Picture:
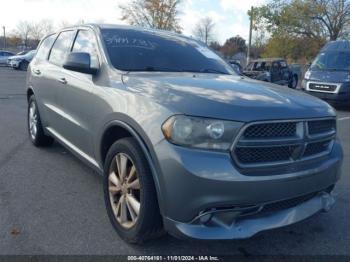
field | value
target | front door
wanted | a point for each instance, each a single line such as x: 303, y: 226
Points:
x: 78, y: 97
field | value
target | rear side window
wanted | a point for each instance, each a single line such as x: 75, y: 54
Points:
x: 61, y: 47
x: 43, y: 51
x: 86, y: 42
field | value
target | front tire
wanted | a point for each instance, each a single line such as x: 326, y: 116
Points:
x: 35, y: 128
x: 130, y: 194
x: 23, y: 66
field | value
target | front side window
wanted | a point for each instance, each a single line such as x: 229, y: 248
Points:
x: 44, y: 49
x: 332, y: 60
x: 61, y: 47
x: 86, y: 42
x: 135, y: 50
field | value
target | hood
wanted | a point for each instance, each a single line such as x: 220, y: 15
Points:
x: 226, y: 96
x: 17, y: 57
x: 330, y: 76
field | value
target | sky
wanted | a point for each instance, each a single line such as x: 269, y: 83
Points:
x: 230, y: 16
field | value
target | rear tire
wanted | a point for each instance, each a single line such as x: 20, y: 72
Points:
x: 35, y: 128
x: 143, y: 222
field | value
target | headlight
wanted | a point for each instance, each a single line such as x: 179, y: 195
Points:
x: 200, y: 132
x: 307, y: 74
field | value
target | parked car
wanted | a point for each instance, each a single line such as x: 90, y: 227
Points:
x: 274, y: 70
x: 329, y: 75
x: 21, y: 62
x: 4, y: 55
x: 236, y: 66
x: 183, y: 143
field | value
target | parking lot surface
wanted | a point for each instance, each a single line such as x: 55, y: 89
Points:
x: 51, y: 203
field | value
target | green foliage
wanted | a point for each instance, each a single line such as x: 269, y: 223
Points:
x: 305, y: 18
x: 301, y: 49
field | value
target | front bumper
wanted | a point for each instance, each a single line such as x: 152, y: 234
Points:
x: 195, y: 181
x: 225, y: 225
x: 342, y: 97
x: 14, y: 64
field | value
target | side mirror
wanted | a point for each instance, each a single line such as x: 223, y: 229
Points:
x: 79, y: 62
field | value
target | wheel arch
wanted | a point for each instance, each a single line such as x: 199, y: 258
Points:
x: 30, y: 92
x: 118, y: 129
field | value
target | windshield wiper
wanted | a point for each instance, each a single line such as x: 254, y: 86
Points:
x: 205, y: 70
x: 337, y: 69
x: 210, y: 70
x: 153, y: 69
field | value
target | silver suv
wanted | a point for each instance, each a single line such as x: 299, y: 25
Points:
x: 183, y: 143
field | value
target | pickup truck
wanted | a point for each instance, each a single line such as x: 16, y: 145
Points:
x: 274, y: 70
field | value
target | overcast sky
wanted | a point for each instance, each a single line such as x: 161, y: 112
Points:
x: 230, y: 16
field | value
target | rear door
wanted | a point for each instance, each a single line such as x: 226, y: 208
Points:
x: 78, y: 96
x: 55, y: 79
x: 39, y: 81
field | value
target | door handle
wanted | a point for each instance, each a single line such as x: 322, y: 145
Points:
x: 63, y: 81
x: 37, y: 71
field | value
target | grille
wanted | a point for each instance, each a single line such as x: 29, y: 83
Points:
x: 261, y: 210
x: 270, y: 130
x: 249, y: 155
x: 289, y: 203
x: 321, y: 126
x: 264, y: 144
x: 316, y: 148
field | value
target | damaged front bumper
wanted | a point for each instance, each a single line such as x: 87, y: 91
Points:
x: 244, y: 222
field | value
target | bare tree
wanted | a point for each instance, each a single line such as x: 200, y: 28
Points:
x: 204, y: 30
x: 23, y: 30
x: 334, y: 15
x: 159, y: 14
x: 41, y: 29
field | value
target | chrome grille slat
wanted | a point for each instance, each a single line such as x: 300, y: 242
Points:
x: 294, y: 140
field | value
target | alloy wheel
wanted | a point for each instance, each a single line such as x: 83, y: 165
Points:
x: 33, y: 120
x: 124, y: 190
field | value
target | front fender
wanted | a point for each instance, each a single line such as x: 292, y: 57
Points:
x: 124, y: 121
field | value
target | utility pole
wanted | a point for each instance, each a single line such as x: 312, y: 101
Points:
x: 250, y: 34
x: 4, y: 37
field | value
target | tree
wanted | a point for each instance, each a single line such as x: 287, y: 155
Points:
x: 23, y: 30
x: 159, y: 14
x: 41, y: 29
x: 215, y: 46
x: 204, y: 30
x: 306, y: 18
x: 234, y: 45
x: 293, y: 48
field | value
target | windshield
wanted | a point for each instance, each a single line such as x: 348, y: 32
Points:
x: 135, y: 50
x: 332, y: 60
